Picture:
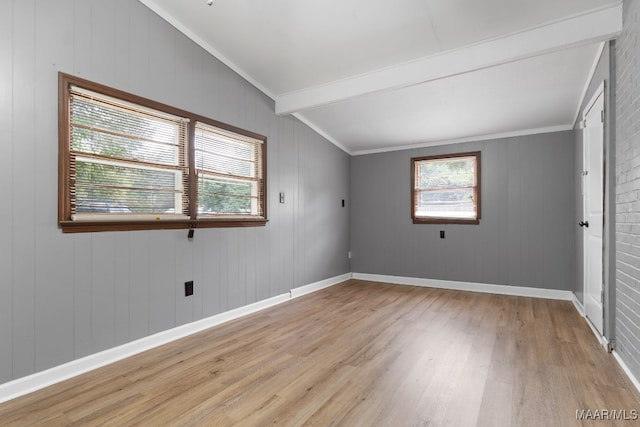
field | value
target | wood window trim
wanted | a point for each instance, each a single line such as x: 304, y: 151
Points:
x: 477, y: 193
x: 65, y: 222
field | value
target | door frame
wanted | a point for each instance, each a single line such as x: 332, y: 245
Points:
x: 600, y: 91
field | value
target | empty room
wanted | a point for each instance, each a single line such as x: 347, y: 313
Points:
x: 360, y: 213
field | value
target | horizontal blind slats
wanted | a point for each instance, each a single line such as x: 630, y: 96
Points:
x: 129, y: 162
x: 229, y: 170
x: 125, y: 158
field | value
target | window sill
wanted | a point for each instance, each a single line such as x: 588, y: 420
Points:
x: 97, y: 226
x: 446, y: 221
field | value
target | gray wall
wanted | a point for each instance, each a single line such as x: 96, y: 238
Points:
x: 525, y: 236
x: 601, y: 73
x: 627, y: 93
x: 66, y: 296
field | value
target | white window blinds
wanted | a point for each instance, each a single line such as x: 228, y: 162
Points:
x: 125, y: 159
x: 230, y: 174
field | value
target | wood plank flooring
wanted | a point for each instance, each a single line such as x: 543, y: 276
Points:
x: 357, y: 354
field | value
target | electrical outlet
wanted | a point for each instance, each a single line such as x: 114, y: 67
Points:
x: 442, y: 234
x: 188, y: 288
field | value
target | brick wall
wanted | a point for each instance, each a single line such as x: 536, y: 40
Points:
x: 628, y: 188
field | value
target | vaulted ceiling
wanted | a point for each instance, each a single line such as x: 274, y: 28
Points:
x: 374, y: 75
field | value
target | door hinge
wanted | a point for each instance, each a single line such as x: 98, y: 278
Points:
x: 602, y: 296
x: 583, y: 124
x: 602, y: 116
x: 611, y: 345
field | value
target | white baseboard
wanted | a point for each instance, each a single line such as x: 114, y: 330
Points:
x: 578, y: 305
x: 39, y: 380
x: 313, y: 287
x: 604, y: 342
x: 626, y: 370
x: 469, y: 286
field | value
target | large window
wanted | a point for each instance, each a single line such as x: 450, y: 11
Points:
x: 446, y: 189
x: 129, y: 163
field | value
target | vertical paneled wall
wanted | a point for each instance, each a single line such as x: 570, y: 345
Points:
x: 64, y: 296
x: 525, y: 236
x: 627, y: 96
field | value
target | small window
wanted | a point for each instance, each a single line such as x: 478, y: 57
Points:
x: 230, y: 173
x: 127, y: 163
x: 446, y: 189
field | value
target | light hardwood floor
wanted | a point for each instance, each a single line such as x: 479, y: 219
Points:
x: 357, y: 354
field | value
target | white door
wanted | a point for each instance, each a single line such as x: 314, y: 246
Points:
x: 592, y: 223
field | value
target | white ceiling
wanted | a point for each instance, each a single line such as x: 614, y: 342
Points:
x: 374, y: 75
